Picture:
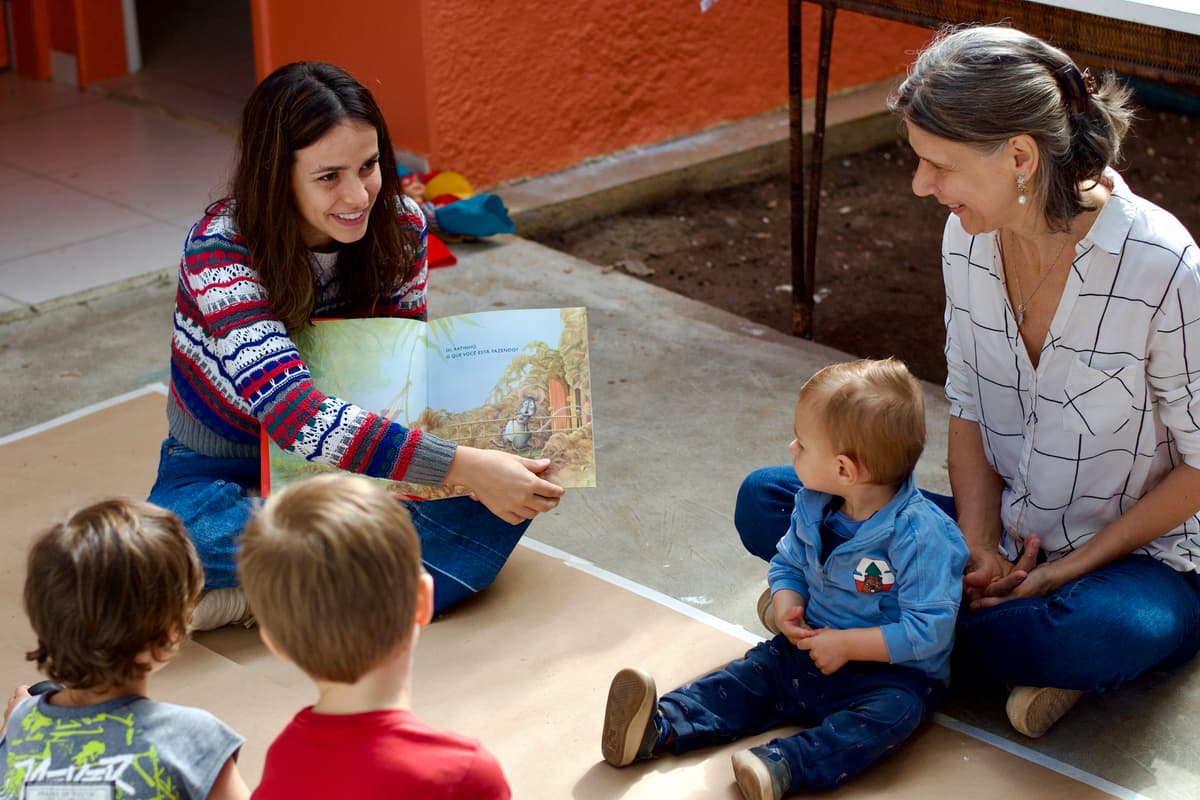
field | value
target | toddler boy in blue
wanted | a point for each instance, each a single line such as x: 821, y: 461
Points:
x: 865, y: 589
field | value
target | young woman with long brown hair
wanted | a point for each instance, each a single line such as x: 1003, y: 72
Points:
x: 315, y: 224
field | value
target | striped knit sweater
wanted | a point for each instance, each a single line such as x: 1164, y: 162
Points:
x: 234, y: 368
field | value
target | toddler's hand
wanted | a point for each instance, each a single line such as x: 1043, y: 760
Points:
x: 792, y: 625
x: 825, y: 648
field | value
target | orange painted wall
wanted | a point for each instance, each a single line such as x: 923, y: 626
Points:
x: 523, y: 94
x: 865, y: 49
x: 91, y: 30
x: 5, y: 61
x: 31, y: 38
x: 62, y: 25
x: 377, y: 41
x: 99, y: 40
x: 506, y: 90
x: 514, y: 94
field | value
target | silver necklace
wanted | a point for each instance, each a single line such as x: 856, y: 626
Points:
x: 1023, y: 301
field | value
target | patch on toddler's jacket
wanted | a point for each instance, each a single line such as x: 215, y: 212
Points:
x: 874, y: 575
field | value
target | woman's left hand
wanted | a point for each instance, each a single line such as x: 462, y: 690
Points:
x: 980, y: 584
x: 509, y: 485
x: 1028, y: 579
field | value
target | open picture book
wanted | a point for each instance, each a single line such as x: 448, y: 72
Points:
x: 514, y: 380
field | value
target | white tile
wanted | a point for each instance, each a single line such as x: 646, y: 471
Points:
x: 21, y: 97
x: 171, y: 184
x: 9, y: 175
x: 215, y: 102
x: 37, y: 214
x: 7, y: 305
x: 105, y: 260
x: 71, y: 138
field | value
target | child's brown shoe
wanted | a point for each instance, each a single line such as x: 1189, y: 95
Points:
x: 761, y: 773
x: 766, y: 612
x: 629, y: 727
x: 1033, y: 710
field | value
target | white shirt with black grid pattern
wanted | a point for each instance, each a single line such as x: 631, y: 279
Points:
x: 1114, y: 403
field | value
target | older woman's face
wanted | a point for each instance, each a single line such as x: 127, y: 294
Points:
x: 979, y: 188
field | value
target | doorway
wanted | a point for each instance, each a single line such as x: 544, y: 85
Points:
x: 197, y: 59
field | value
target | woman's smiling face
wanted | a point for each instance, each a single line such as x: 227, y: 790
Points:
x: 979, y: 188
x: 335, y: 181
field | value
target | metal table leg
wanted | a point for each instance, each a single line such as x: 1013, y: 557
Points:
x: 804, y: 234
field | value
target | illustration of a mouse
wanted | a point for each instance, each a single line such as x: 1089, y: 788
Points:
x: 517, y: 431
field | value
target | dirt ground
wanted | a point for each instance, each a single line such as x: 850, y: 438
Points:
x: 878, y: 286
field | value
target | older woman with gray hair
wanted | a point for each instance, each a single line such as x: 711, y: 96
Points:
x: 1073, y: 356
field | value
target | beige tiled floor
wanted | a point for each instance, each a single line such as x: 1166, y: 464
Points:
x: 96, y: 190
x: 99, y: 187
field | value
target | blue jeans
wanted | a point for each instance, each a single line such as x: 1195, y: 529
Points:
x: 215, y: 499
x: 1094, y: 633
x: 463, y: 545
x: 859, y: 714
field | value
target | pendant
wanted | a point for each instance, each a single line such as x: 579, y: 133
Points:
x: 1020, y: 315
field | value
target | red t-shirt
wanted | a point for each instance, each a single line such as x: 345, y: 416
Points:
x: 377, y: 754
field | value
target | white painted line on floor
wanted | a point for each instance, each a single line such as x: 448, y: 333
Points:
x: 1029, y: 754
x: 739, y: 632
x: 736, y: 631
x: 156, y: 388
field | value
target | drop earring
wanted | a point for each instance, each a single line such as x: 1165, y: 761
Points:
x: 1021, y: 189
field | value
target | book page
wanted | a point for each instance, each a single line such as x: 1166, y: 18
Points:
x: 378, y: 364
x: 513, y: 380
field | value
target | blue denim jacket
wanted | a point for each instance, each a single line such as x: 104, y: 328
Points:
x: 902, y: 572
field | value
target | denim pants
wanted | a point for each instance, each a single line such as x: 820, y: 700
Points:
x: 463, y: 545
x: 1094, y: 633
x: 859, y: 714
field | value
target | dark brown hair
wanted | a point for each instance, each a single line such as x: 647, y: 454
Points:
x: 104, y: 585
x: 291, y: 109
x: 873, y: 411
x: 330, y: 566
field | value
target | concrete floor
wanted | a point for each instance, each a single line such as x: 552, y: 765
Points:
x: 687, y: 398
